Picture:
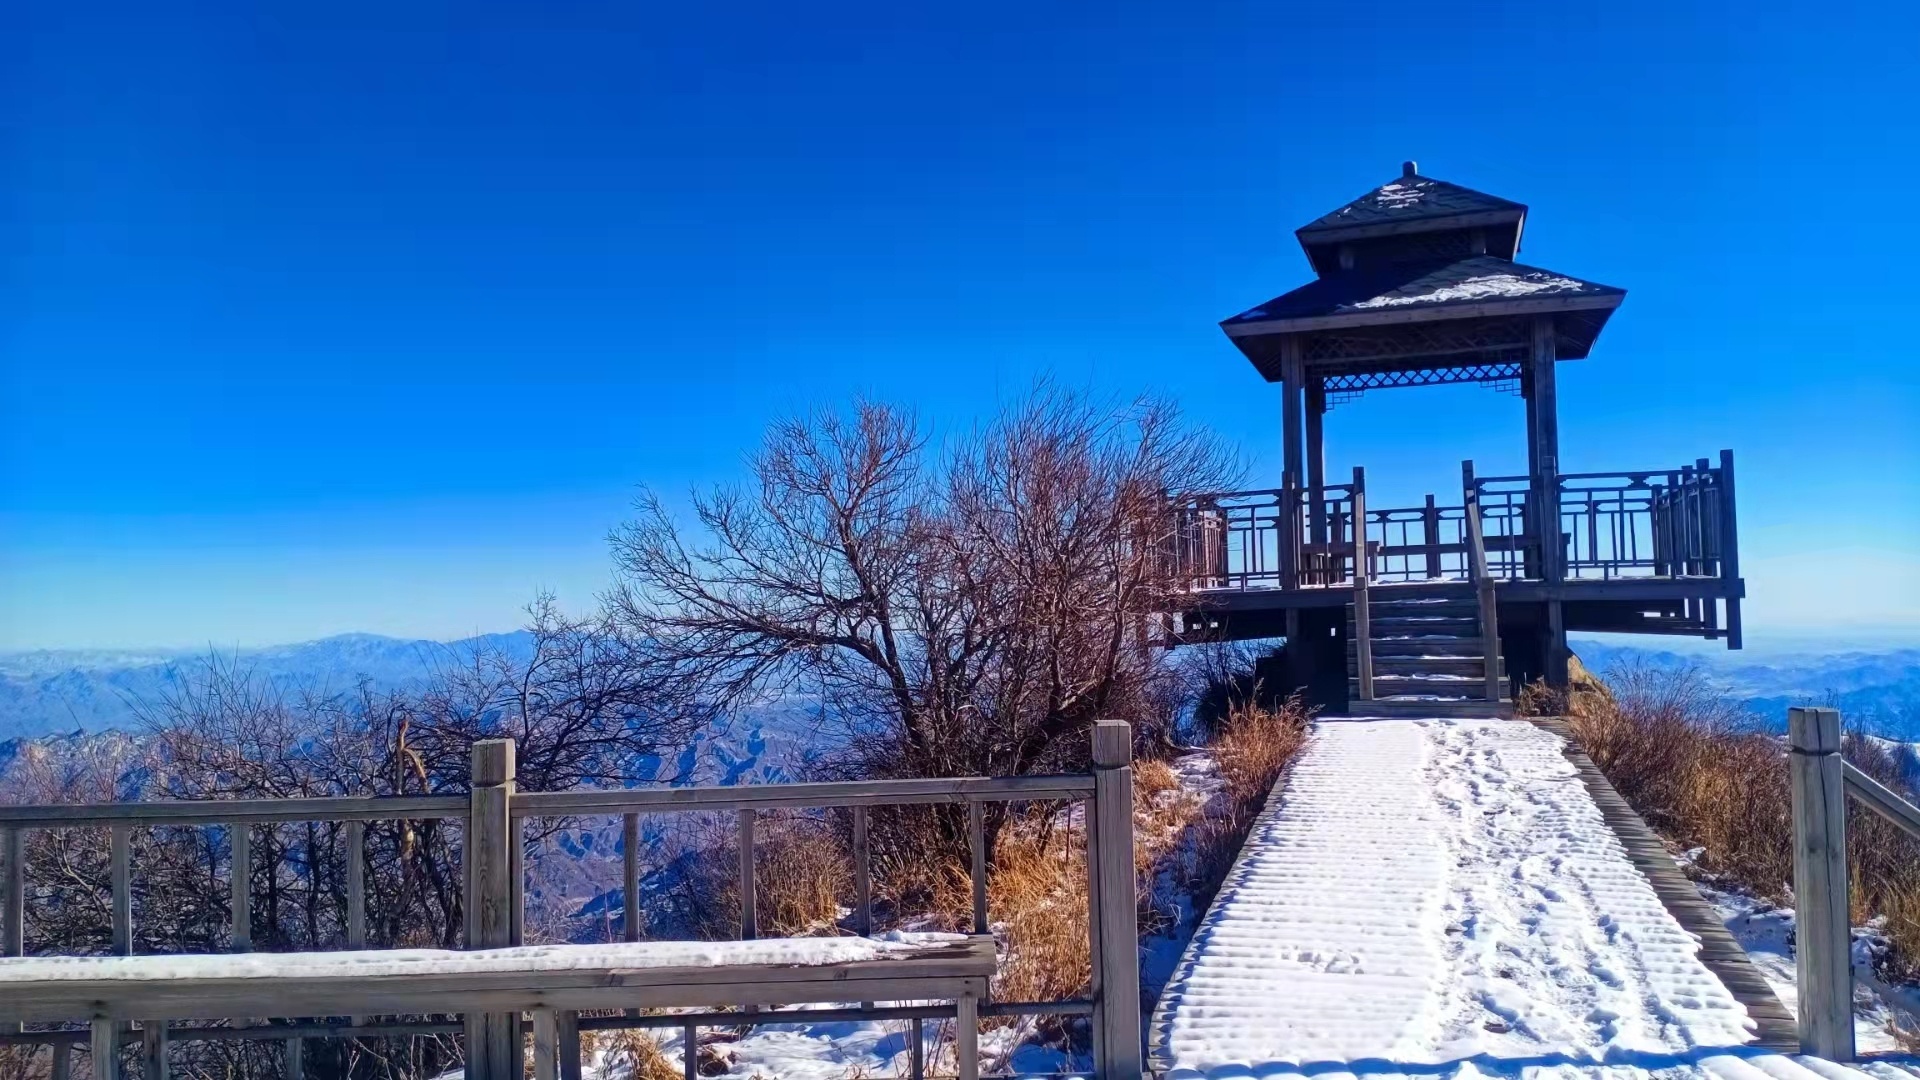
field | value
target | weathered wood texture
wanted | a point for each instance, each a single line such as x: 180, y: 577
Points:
x: 1117, y: 998
x: 1881, y: 799
x: 932, y: 973
x: 1362, y: 575
x: 494, y: 1049
x: 492, y: 866
x: 1774, y: 1026
x: 241, y: 875
x: 1822, y: 935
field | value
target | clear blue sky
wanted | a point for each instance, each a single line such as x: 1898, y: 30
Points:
x: 344, y: 316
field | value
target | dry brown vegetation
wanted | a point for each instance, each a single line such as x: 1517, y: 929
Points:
x: 1703, y: 775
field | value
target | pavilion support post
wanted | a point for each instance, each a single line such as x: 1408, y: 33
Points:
x: 1543, y: 444
x: 1293, y: 448
x: 1316, y: 408
x: 1729, y: 550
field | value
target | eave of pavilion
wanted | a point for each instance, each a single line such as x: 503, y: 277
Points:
x: 1429, y: 338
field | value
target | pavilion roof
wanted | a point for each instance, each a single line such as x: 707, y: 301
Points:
x: 1409, y: 199
x: 1478, y: 285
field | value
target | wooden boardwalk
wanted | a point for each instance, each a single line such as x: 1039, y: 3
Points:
x: 1776, y: 1028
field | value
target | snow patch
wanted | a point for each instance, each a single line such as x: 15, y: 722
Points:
x: 1484, y: 287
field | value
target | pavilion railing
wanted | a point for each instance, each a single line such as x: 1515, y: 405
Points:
x: 1671, y: 524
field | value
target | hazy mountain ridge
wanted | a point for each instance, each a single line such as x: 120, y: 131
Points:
x: 47, y: 691
x: 1878, y: 689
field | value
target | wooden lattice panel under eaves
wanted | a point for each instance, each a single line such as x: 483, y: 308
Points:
x: 1496, y: 339
x: 1504, y: 377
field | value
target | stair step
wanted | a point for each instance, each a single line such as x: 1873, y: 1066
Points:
x: 1472, y: 665
x: 1423, y: 708
x: 1425, y: 685
x: 1430, y: 625
x: 1384, y: 647
x: 1464, y: 608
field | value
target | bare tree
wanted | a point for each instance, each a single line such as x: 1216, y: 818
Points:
x: 967, y: 612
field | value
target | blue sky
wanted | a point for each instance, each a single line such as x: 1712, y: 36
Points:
x: 369, y: 317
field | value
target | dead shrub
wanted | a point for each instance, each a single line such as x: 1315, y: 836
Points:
x: 801, y: 872
x: 1704, y: 775
x: 637, y: 1049
x: 1255, y: 746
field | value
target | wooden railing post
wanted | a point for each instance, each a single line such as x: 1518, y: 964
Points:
x: 1362, y: 616
x: 1482, y: 576
x: 1824, y: 965
x: 13, y: 853
x: 1118, y: 1036
x: 493, y: 1039
x: 1729, y: 549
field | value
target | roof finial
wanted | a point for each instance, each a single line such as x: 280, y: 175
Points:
x: 1409, y: 168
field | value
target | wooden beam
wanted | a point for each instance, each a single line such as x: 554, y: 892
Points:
x: 796, y: 796
x: 1881, y: 799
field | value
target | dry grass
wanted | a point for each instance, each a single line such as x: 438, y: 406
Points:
x: 1254, y: 747
x: 802, y: 869
x: 635, y: 1048
x: 1696, y: 768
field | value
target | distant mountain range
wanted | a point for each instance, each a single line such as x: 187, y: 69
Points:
x: 1875, y: 689
x: 51, y: 692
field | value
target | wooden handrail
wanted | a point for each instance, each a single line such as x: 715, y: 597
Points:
x: 1483, y: 584
x: 1362, y: 617
x: 1881, y: 799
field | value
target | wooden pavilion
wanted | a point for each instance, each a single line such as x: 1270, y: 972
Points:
x: 1452, y: 604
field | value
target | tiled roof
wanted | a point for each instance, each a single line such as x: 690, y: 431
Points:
x: 1404, y: 286
x: 1409, y: 198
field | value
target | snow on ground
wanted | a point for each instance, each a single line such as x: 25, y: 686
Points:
x: 1442, y: 897
x: 1766, y: 933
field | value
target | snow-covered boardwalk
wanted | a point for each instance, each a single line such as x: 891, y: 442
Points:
x: 1443, y: 898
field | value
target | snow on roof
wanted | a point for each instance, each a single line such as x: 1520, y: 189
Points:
x: 1504, y: 286
x: 1410, y: 198
x: 1401, y: 285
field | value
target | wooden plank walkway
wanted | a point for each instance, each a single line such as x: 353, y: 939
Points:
x: 1776, y: 1028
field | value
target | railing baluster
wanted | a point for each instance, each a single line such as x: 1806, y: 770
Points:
x: 240, y: 840
x: 862, y: 875
x: 153, y: 1049
x: 690, y: 1052
x: 977, y: 848
x: 356, y: 856
x: 103, y: 1046
x: 917, y: 1053
x: 747, y: 928
x: 13, y: 851
x: 121, y: 860
x: 630, y: 877
x: 62, y: 1066
x: 295, y: 1059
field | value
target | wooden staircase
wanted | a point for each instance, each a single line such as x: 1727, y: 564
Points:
x: 1429, y: 655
